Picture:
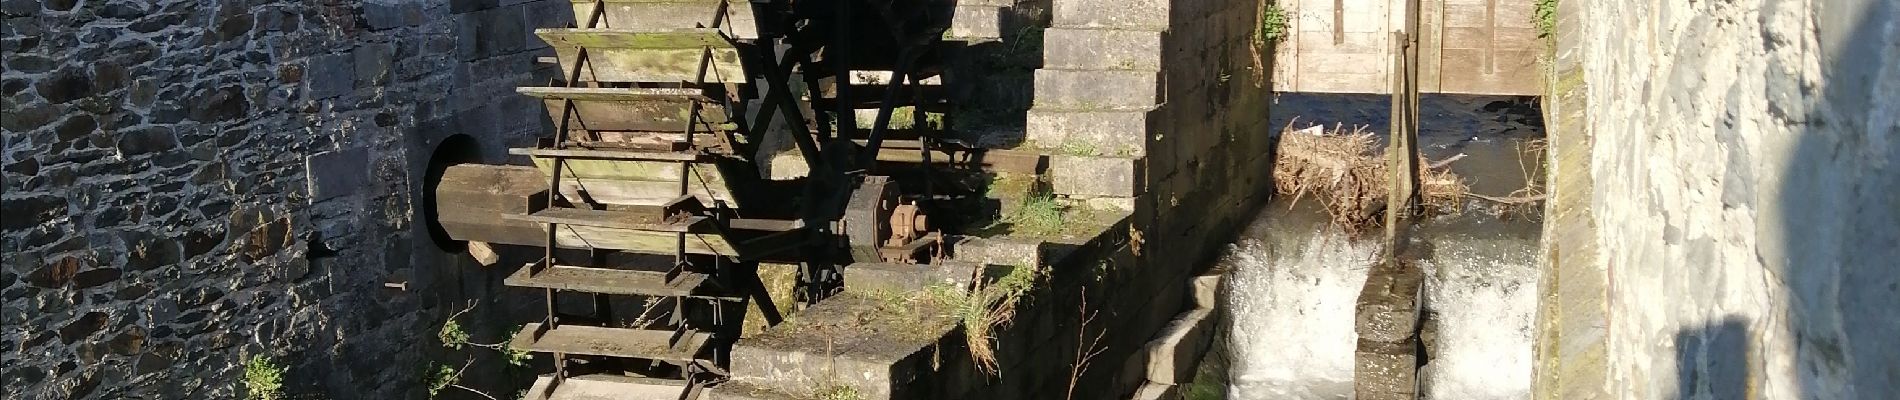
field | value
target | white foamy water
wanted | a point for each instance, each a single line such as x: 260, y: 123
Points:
x: 1292, y: 300
x: 1292, y: 283
x: 1485, y: 295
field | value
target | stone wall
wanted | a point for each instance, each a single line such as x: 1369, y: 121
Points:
x: 1722, y: 220
x: 1159, y: 107
x: 189, y: 184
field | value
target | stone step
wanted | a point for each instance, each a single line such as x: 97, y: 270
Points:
x: 605, y: 387
x: 649, y: 344
x: 1095, y: 176
x: 1095, y: 48
x: 677, y: 14
x: 976, y: 23
x: 1061, y: 89
x: 1126, y: 14
x: 618, y: 281
x: 1088, y: 132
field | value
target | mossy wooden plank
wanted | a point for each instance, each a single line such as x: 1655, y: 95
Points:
x: 584, y: 237
x: 654, y: 65
x: 654, y: 115
x: 677, y: 95
x: 637, y: 182
x: 670, y: 14
x: 630, y: 38
x: 666, y: 171
x: 640, y: 193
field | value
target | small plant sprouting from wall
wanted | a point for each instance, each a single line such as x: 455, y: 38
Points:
x: 453, y: 337
x: 1546, y: 15
x: 1273, y: 25
x: 263, y: 379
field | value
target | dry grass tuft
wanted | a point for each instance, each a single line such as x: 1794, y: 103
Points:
x: 1345, y: 170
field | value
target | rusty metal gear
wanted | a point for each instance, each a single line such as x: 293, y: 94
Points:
x: 867, y: 218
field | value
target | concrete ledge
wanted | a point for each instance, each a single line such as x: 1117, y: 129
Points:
x: 840, y: 342
x: 1000, y: 251
x: 904, y: 278
x: 1173, y: 356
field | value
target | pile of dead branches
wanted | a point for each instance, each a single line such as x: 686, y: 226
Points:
x: 1345, y: 170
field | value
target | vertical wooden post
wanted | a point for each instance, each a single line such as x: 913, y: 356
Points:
x: 1387, y: 356
x: 1402, y: 154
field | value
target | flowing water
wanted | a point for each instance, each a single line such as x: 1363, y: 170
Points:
x: 1293, y: 280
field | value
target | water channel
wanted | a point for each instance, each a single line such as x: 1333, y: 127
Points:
x: 1293, y: 279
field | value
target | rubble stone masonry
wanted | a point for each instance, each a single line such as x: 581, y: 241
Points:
x: 189, y: 184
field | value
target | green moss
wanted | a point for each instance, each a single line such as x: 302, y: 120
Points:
x: 1077, y: 148
x: 263, y: 379
x: 1546, y: 18
x: 837, y: 391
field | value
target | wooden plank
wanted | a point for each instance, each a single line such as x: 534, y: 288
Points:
x: 638, y: 241
x: 651, y: 344
x: 654, y: 65
x: 613, y: 94
x: 604, y: 387
x: 739, y: 24
x: 613, y: 219
x: 652, y: 115
x: 663, y: 171
x: 611, y: 155
x: 616, y: 281
x: 634, y: 38
x: 638, y: 182
x: 638, y: 193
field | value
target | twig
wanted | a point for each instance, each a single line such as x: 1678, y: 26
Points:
x: 1511, y: 200
x: 1087, y: 353
x: 1446, y: 161
x: 459, y: 386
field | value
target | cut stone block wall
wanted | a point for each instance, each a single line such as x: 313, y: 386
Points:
x: 188, y: 184
x: 1722, y: 220
x: 1158, y: 107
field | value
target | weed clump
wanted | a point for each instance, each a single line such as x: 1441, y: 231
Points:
x: 1546, y: 18
x: 263, y: 379
x: 987, y: 306
x: 1273, y: 25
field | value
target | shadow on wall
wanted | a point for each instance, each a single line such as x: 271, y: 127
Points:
x: 1713, y: 361
x: 1838, y: 207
